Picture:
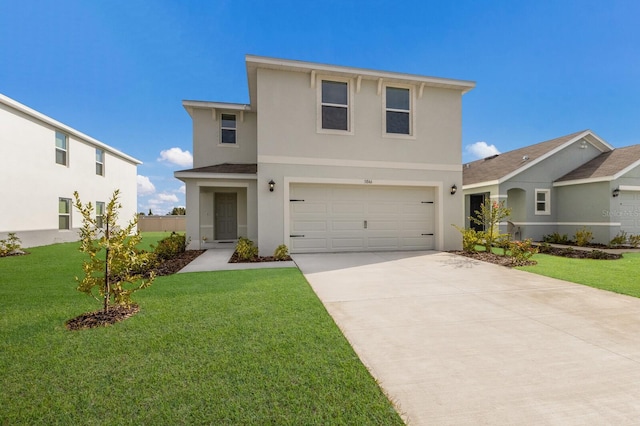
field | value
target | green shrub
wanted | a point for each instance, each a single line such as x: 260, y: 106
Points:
x: 470, y: 238
x: 522, y: 250
x: 171, y: 246
x: 544, y: 248
x: 10, y: 244
x: 246, y: 249
x: 634, y: 240
x: 503, y: 242
x: 598, y: 254
x: 281, y: 253
x: 620, y: 239
x: 583, y: 236
x: 556, y: 238
x: 491, y: 213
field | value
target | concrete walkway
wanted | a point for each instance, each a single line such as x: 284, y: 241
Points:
x: 454, y: 341
x: 218, y: 260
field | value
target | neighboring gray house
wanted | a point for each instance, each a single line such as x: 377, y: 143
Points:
x: 560, y: 186
x: 328, y: 158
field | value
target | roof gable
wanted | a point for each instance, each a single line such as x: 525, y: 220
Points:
x: 607, y: 166
x: 501, y: 167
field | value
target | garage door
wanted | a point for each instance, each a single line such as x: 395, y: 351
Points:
x: 334, y: 218
x: 630, y: 211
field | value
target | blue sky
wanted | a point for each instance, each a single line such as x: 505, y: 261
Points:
x: 118, y: 70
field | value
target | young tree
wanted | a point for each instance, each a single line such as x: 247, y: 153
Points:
x: 489, y: 216
x: 116, y: 268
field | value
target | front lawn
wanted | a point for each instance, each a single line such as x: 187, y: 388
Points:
x: 620, y: 276
x: 233, y: 347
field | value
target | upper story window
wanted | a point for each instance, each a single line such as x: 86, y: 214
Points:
x: 64, y: 213
x: 543, y: 201
x: 335, y: 105
x: 100, y: 162
x: 62, y: 142
x: 228, y: 128
x: 100, y: 214
x: 398, y: 118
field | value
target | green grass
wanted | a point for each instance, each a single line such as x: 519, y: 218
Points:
x: 233, y: 347
x: 620, y: 276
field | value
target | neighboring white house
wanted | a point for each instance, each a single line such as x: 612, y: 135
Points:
x: 561, y: 185
x: 42, y: 162
x: 329, y: 158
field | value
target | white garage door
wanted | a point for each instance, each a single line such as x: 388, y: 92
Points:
x: 630, y: 211
x: 334, y: 218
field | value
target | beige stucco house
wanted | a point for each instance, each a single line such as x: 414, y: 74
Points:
x: 42, y: 162
x: 328, y: 158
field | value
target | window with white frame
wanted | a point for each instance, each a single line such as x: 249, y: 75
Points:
x: 335, y: 105
x: 100, y: 214
x: 100, y: 162
x: 64, y: 213
x: 229, y: 128
x: 398, y: 110
x: 62, y: 142
x: 543, y: 201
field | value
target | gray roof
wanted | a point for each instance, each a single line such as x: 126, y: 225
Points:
x: 225, y: 168
x: 606, y: 165
x: 498, y: 166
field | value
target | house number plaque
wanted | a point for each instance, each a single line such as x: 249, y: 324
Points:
x: 368, y: 181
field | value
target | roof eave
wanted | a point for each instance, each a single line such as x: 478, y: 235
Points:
x: 481, y: 184
x: 67, y: 129
x: 582, y: 181
x: 253, y: 62
x: 222, y: 176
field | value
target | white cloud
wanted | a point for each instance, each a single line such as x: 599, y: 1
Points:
x: 182, y: 189
x: 145, y: 187
x: 176, y: 156
x: 481, y: 150
x: 166, y: 198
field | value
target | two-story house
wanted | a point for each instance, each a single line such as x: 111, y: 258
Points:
x: 42, y: 162
x: 328, y: 158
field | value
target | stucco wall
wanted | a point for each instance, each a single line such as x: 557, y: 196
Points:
x: 287, y: 124
x: 207, y: 149
x: 33, y: 182
x: 288, y: 134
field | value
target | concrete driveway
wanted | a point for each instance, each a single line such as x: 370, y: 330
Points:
x: 456, y: 341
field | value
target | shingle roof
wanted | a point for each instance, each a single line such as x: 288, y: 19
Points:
x: 225, y: 168
x: 607, y: 164
x: 495, y: 167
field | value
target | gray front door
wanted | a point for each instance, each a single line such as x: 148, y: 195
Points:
x: 226, y: 226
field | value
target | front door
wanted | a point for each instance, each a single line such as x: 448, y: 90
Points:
x: 226, y: 226
x: 475, y: 203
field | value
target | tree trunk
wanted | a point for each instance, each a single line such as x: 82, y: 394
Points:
x: 107, y: 288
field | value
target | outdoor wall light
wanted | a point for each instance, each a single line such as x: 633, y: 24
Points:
x: 616, y: 192
x: 272, y: 184
x: 454, y: 189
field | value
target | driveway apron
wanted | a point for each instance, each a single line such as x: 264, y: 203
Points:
x: 455, y: 341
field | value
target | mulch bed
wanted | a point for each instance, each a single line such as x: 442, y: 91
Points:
x: 495, y: 258
x: 236, y: 259
x: 579, y: 254
x: 100, y: 318
x: 554, y: 251
x: 171, y: 266
x: 118, y: 313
